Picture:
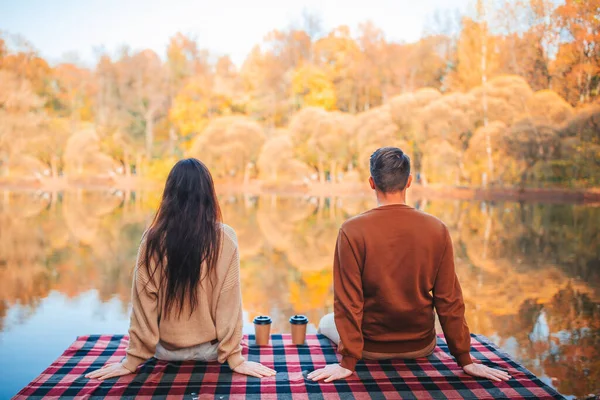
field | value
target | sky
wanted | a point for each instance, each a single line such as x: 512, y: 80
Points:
x: 75, y: 29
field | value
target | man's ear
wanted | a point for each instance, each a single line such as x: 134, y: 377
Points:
x: 408, y: 182
x: 372, y: 182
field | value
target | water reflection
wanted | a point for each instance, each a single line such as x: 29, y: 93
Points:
x: 530, y: 272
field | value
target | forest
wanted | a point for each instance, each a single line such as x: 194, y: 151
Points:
x: 502, y: 96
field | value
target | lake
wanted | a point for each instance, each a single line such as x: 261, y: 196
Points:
x: 530, y: 272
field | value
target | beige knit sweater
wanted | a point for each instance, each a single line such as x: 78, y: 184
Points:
x: 218, y: 315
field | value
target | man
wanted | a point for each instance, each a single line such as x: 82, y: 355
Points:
x: 393, y: 265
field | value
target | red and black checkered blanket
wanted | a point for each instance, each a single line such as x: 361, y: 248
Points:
x: 437, y: 376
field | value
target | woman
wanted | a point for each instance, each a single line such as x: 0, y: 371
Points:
x: 186, y: 295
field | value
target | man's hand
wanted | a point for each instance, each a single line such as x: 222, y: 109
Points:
x: 111, y: 370
x: 483, y: 371
x: 330, y: 373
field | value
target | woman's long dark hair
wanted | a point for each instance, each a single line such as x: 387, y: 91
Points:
x: 185, y: 235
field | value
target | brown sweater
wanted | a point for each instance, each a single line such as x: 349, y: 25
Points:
x: 393, y: 265
x: 218, y: 315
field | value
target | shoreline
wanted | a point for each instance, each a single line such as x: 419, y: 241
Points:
x: 555, y: 196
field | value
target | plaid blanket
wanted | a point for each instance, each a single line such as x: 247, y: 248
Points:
x: 437, y: 376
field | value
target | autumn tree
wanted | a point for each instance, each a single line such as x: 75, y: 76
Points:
x: 266, y: 89
x: 312, y: 88
x: 405, y: 107
x: 23, y: 61
x: 506, y: 97
x: 184, y: 62
x: 191, y: 107
x: 74, y: 93
x: 374, y: 129
x: 49, y: 146
x: 576, y: 69
x: 339, y: 55
x: 449, y: 121
x: 266, y: 74
x: 405, y: 110
x: 277, y: 162
x: 468, y: 73
x: 549, y: 105
x: 581, y: 145
x: 21, y: 115
x: 532, y: 141
x: 304, y: 125
x: 475, y: 158
x: 83, y: 158
x: 230, y: 146
x: 199, y: 91
x: 324, y: 140
x: 142, y: 87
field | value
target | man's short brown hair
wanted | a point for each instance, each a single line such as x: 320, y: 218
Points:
x: 390, y: 169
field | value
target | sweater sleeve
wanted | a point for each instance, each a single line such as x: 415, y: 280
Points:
x: 450, y: 307
x: 229, y: 316
x: 348, y: 301
x: 143, y: 325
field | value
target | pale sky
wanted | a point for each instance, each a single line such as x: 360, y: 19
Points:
x: 59, y: 27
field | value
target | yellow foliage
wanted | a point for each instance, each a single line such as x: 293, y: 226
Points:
x: 375, y: 129
x: 506, y: 96
x: 83, y: 157
x: 440, y: 164
x: 159, y: 169
x: 449, y: 118
x: 548, y: 104
x: 189, y: 112
x: 276, y: 162
x: 405, y: 107
x: 229, y: 146
x: 476, y: 160
x: 312, y: 86
x: 469, y: 71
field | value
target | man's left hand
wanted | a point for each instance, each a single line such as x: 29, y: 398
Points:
x: 330, y: 373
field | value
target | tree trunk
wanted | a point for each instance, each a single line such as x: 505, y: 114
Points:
x: 321, y: 171
x: 54, y: 167
x: 488, y: 229
x: 126, y: 164
x: 172, y: 140
x: 320, y: 207
x: 53, y: 199
x: 523, y: 180
x: 149, y: 134
x: 333, y: 172
x: 461, y: 170
x: 484, y: 50
x: 247, y: 173
x: 138, y: 165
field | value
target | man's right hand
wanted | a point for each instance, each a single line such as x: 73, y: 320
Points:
x: 483, y: 371
x: 252, y: 368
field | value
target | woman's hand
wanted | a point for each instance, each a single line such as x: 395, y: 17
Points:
x: 330, y: 373
x: 483, y: 371
x: 111, y: 370
x: 252, y: 368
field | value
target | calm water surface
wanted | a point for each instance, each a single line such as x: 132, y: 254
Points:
x: 530, y: 273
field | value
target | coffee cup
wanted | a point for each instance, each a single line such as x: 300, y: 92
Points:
x: 298, y: 323
x: 262, y: 330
